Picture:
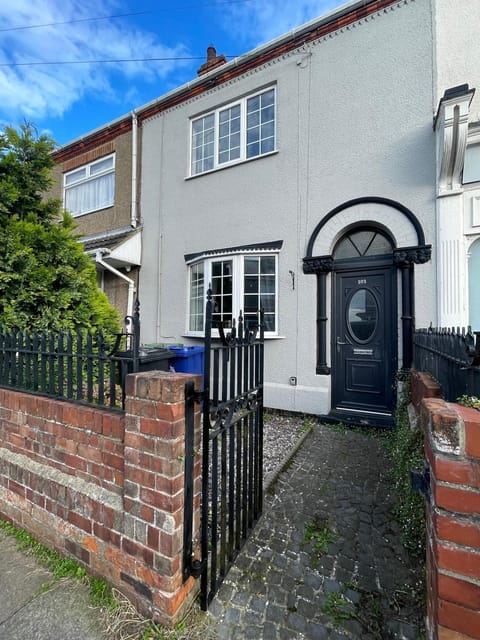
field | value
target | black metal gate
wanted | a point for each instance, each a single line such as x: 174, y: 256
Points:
x: 232, y: 451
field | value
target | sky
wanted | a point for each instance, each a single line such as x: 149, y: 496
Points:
x: 80, y: 91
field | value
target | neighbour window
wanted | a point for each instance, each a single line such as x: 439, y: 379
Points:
x: 239, y: 283
x: 474, y: 290
x: 471, y: 168
x: 90, y: 187
x: 237, y: 132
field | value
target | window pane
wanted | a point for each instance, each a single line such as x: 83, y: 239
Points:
x: 269, y: 322
x: 268, y: 130
x: 253, y: 135
x: 101, y: 165
x: 251, y: 284
x: 267, y: 145
x: 267, y: 284
x: 268, y: 114
x: 267, y: 264
x: 268, y: 98
x: 251, y: 304
x: 253, y: 150
x: 75, y: 176
x: 253, y: 104
x: 250, y: 265
x: 253, y: 119
x: 267, y: 303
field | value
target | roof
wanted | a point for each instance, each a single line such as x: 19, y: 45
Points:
x: 318, y: 28
x: 107, y: 239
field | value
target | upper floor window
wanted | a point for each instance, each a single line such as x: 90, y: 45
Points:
x: 240, y: 283
x: 471, y: 167
x: 242, y: 130
x: 90, y: 187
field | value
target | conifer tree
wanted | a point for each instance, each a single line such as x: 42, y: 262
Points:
x: 46, y: 280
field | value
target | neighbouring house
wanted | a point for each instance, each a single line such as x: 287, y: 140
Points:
x: 97, y: 178
x: 330, y: 176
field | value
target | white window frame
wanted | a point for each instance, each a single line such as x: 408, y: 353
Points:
x: 89, y: 177
x: 242, y: 103
x: 238, y: 282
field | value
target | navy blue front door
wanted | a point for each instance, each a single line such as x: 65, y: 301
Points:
x: 364, y: 340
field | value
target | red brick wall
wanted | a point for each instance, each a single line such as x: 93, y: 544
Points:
x: 452, y: 449
x: 78, y: 440
x: 105, y: 487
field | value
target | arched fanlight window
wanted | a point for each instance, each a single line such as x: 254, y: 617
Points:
x: 362, y: 243
x: 473, y: 288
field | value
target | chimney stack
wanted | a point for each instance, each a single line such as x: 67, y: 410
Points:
x: 213, y: 61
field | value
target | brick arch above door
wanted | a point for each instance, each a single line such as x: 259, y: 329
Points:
x: 404, y: 226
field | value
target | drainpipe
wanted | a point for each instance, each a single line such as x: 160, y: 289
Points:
x: 133, y: 208
x: 131, y: 285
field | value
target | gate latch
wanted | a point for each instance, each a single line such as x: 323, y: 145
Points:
x: 196, y: 568
x: 192, y: 394
x: 420, y: 481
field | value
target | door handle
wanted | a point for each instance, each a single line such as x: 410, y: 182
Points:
x: 339, y: 342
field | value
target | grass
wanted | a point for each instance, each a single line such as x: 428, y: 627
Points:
x: 59, y: 566
x: 120, y: 618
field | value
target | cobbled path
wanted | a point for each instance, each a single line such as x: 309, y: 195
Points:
x: 361, y: 585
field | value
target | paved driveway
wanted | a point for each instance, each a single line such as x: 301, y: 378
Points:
x: 325, y: 560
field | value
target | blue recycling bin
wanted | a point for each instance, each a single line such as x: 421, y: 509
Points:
x: 187, y: 359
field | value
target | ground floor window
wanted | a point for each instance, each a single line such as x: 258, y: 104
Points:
x: 242, y: 283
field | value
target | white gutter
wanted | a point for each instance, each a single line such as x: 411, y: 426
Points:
x: 133, y: 209
x: 131, y: 285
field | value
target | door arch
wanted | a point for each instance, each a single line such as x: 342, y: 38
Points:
x: 402, y: 237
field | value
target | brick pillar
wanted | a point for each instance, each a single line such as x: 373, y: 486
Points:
x: 452, y: 448
x: 154, y: 494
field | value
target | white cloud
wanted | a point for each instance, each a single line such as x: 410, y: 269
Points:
x: 258, y: 22
x: 35, y: 92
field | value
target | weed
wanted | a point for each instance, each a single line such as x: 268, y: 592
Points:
x: 406, y: 453
x: 101, y: 594
x: 337, y: 608
x: 469, y: 401
x: 307, y: 424
x: 339, y: 427
x: 320, y: 535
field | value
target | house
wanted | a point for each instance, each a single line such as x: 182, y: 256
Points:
x: 331, y: 176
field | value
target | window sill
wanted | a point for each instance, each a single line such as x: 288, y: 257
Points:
x: 230, y: 165
x: 86, y: 213
x: 196, y: 336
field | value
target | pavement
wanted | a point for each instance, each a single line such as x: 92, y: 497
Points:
x: 324, y: 562
x: 33, y: 606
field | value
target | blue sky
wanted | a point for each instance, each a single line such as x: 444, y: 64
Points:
x: 68, y: 100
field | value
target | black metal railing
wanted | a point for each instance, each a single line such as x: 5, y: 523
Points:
x: 82, y: 366
x: 232, y: 451
x: 452, y: 357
